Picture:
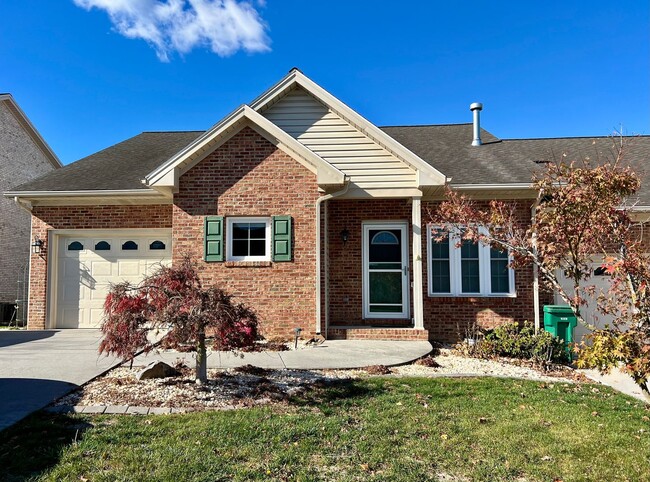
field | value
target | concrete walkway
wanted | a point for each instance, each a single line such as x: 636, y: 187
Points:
x: 332, y: 354
x: 618, y: 381
x: 37, y: 367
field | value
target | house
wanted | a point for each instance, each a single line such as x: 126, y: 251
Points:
x: 300, y: 207
x: 24, y: 155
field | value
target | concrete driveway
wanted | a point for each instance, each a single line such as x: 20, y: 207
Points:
x: 37, y: 367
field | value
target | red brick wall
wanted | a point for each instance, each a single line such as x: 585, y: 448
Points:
x: 249, y: 176
x: 81, y: 217
x: 448, y: 318
x: 345, y: 262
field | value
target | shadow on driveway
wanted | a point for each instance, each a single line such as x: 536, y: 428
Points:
x: 21, y: 396
x: 15, y: 337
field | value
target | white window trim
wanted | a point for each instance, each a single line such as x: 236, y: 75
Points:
x: 229, y: 239
x: 485, y: 281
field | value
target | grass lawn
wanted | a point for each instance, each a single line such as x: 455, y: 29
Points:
x: 402, y: 429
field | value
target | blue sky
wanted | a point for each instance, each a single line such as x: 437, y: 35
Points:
x: 87, y: 79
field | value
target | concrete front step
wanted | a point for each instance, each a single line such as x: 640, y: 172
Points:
x: 376, y: 333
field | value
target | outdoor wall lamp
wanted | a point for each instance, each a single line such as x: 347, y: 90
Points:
x: 345, y: 234
x: 38, y: 246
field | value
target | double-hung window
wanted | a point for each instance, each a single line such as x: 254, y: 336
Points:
x: 458, y: 267
x: 249, y: 239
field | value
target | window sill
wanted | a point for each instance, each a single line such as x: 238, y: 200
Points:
x: 247, y: 264
x: 448, y: 295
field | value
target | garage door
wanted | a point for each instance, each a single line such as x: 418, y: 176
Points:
x: 601, y: 281
x: 88, y: 265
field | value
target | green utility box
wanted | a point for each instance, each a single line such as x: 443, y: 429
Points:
x: 560, y: 322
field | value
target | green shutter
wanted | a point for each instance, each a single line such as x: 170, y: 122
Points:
x: 281, y: 238
x: 213, y: 243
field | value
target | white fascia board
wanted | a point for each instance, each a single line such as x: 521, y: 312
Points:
x: 167, y: 174
x: 161, y: 171
x: 33, y: 133
x: 427, y: 175
x: 326, y: 173
x: 277, y: 90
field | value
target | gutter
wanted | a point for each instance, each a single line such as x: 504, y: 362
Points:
x: 25, y: 205
x: 319, y: 201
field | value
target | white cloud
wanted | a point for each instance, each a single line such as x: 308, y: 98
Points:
x: 225, y: 26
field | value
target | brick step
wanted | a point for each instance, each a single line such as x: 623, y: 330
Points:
x: 376, y: 333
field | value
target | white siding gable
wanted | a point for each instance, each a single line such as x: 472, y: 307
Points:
x: 334, y: 139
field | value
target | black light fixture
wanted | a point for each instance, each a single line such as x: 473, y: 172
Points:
x: 345, y: 234
x: 38, y: 245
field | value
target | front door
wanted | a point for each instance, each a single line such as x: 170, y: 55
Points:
x: 385, y: 270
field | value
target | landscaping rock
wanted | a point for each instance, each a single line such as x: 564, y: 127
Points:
x: 157, y: 369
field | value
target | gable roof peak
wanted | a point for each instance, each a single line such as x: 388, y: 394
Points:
x: 426, y: 174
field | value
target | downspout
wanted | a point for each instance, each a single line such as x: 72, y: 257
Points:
x: 319, y: 201
x: 533, y: 210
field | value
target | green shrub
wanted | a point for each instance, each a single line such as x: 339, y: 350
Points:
x: 513, y: 340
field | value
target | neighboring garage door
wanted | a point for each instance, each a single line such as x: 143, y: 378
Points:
x: 87, y: 265
x: 590, y: 312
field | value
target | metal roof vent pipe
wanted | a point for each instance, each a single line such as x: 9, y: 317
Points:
x: 476, y: 108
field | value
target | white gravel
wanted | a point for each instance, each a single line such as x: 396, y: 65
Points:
x: 227, y: 389
x: 454, y: 365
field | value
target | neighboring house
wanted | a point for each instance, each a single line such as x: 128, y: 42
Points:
x: 24, y: 155
x: 301, y: 208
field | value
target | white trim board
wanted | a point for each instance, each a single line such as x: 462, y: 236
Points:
x: 427, y: 175
x: 167, y: 174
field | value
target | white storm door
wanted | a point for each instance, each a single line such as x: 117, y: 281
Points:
x: 385, y: 270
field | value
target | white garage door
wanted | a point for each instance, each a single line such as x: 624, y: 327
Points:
x: 590, y: 312
x: 87, y: 265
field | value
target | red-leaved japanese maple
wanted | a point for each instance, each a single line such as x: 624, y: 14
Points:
x: 174, y: 302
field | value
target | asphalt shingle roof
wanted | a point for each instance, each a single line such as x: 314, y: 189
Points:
x: 121, y: 166
x: 446, y: 147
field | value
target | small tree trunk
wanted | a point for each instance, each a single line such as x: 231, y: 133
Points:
x: 201, y: 360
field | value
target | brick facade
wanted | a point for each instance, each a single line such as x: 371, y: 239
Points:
x: 45, y: 219
x: 344, y: 261
x: 445, y: 318
x: 249, y: 176
x: 20, y: 161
